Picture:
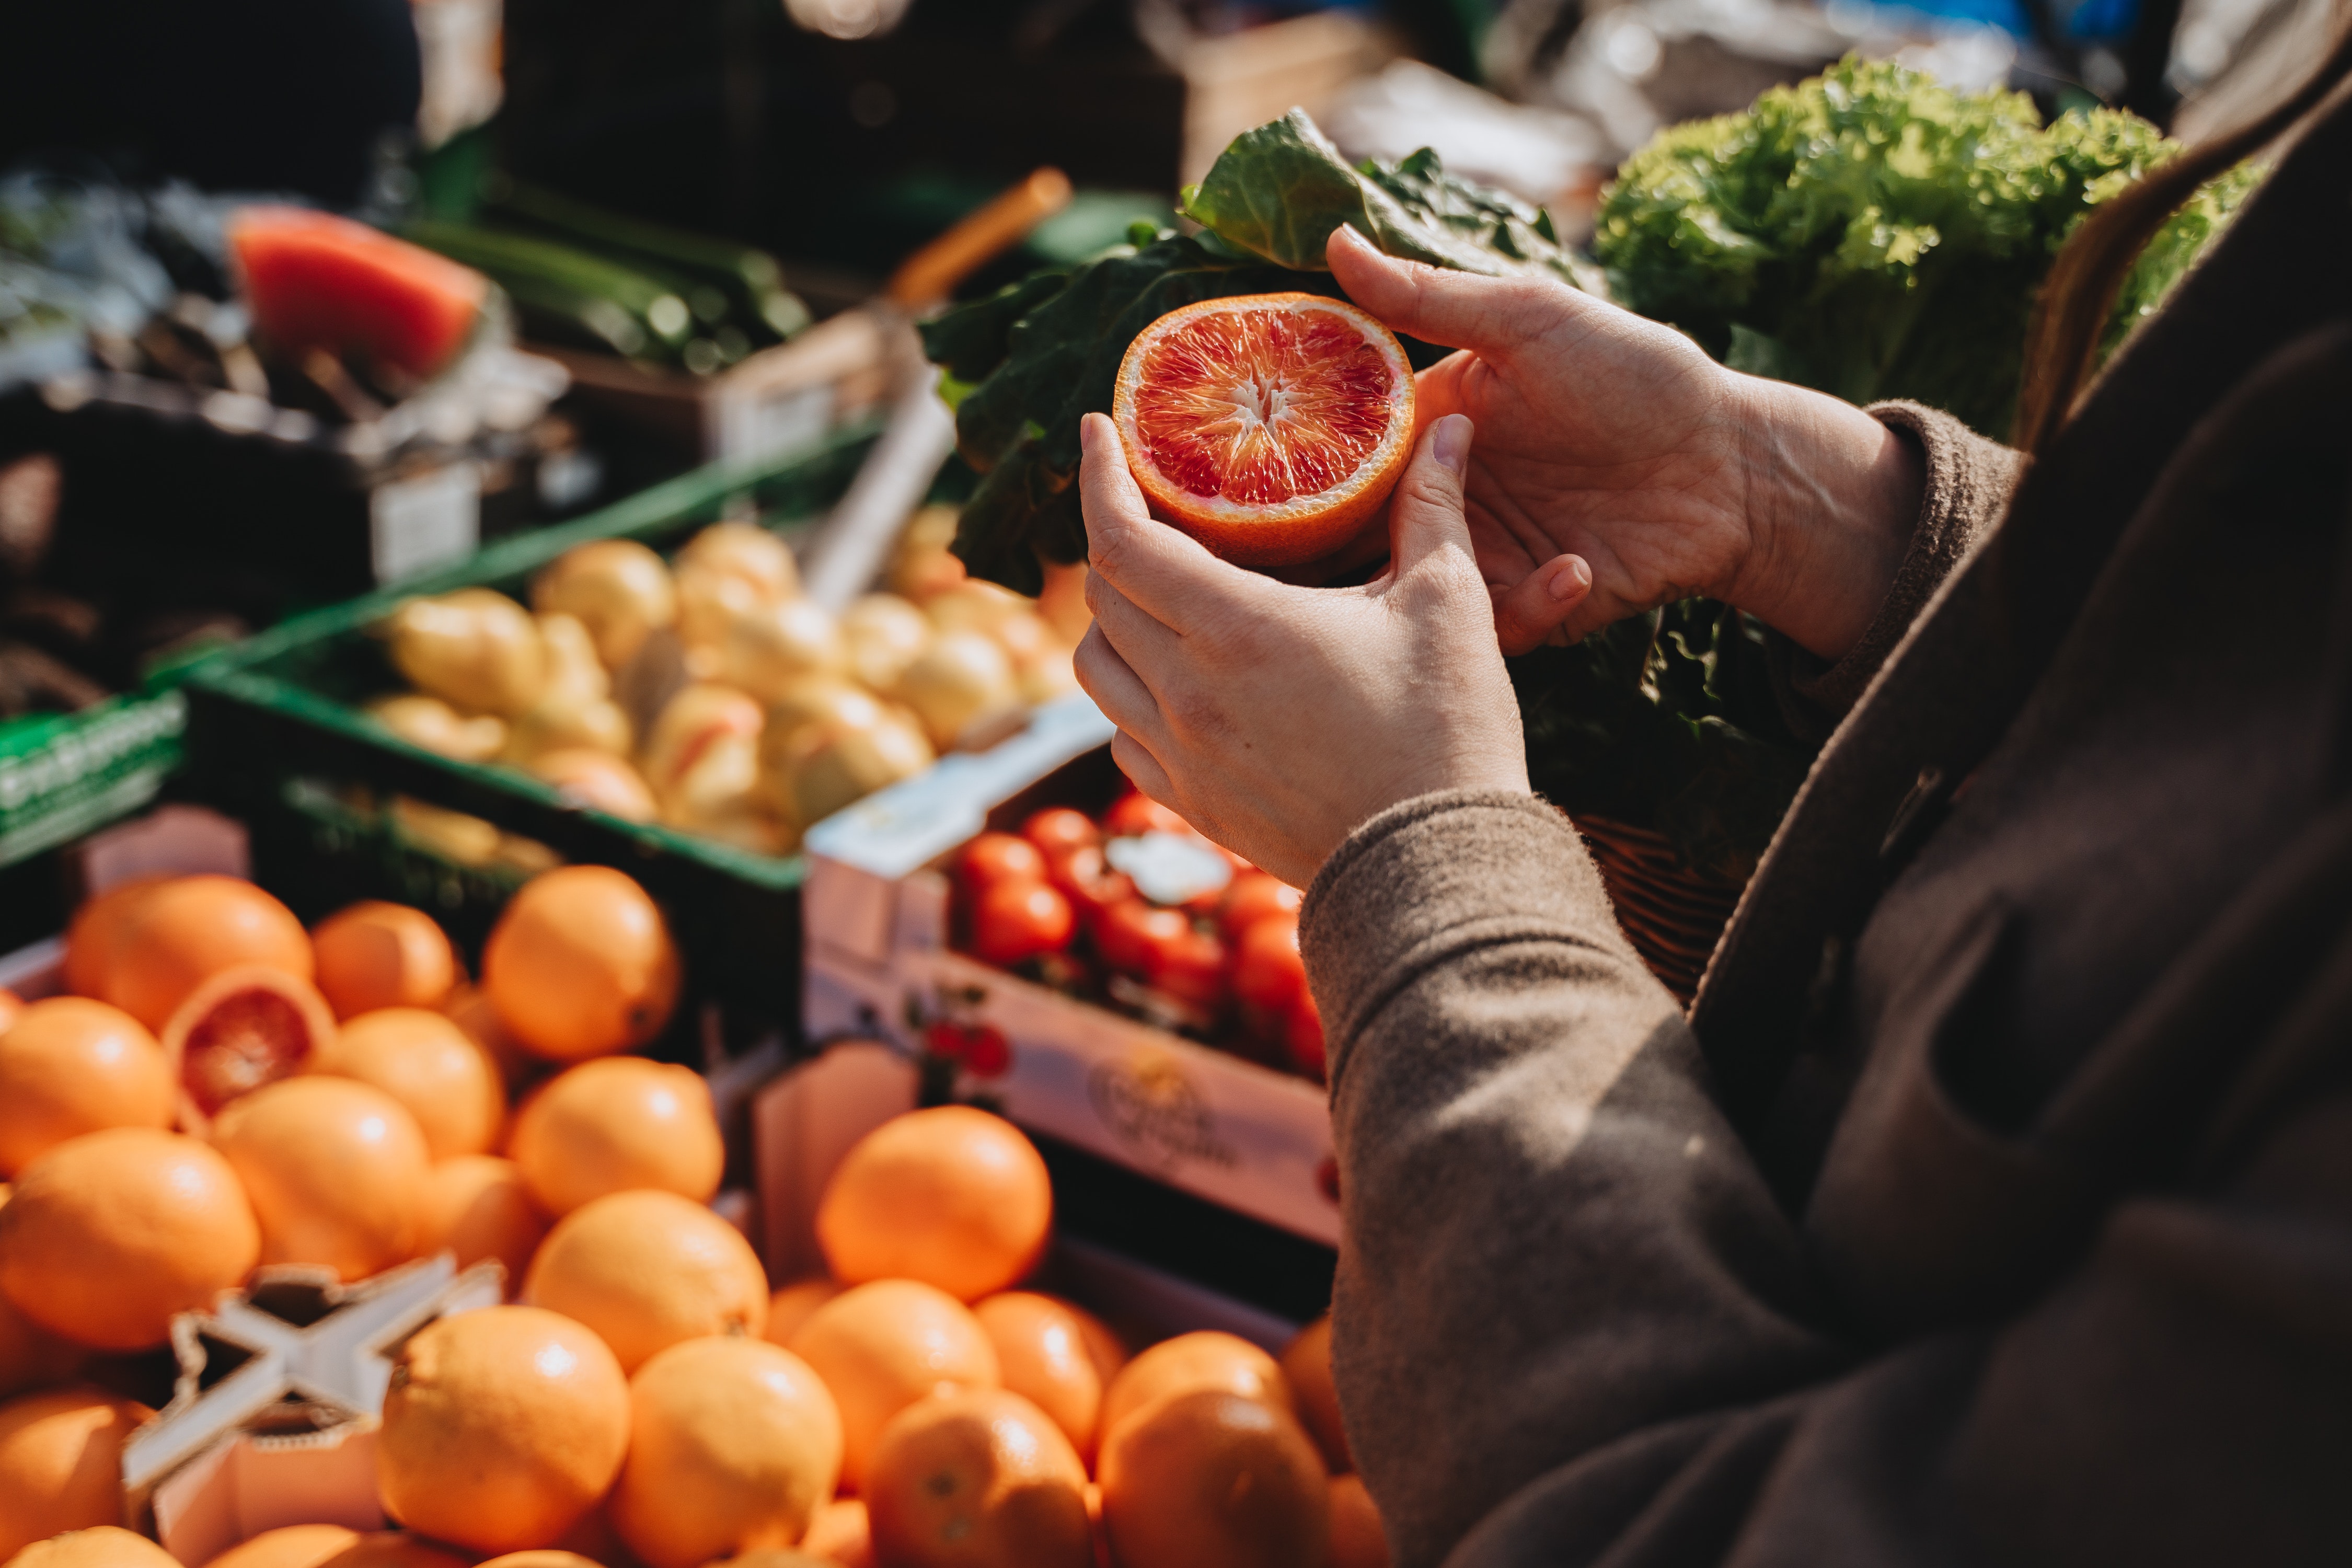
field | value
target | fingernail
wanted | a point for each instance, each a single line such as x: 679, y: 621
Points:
x: 1450, y: 443
x: 1085, y: 435
x: 1570, y: 579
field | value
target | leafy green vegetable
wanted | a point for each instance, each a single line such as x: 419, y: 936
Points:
x: 1022, y: 366
x: 1875, y: 234
x: 1665, y: 721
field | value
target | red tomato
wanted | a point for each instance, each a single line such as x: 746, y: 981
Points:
x: 1138, y: 814
x: 1251, y: 897
x: 1193, y: 966
x: 1129, y: 934
x: 1057, y: 829
x: 1085, y: 879
x: 1268, y: 972
x: 994, y: 857
x: 1305, y: 1038
x: 1014, y: 921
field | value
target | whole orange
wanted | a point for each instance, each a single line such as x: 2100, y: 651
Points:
x: 70, y: 1065
x: 1205, y: 1359
x: 951, y: 1196
x: 393, y: 1548
x: 428, y: 1063
x: 178, y: 934
x: 336, y: 1171
x: 106, y: 1236
x: 543, y: 1557
x: 61, y: 1463
x: 96, y: 927
x: 100, y: 1546
x: 646, y: 1269
x: 1057, y: 1355
x: 733, y: 1446
x: 477, y: 1207
x: 375, y: 954
x: 882, y: 1346
x: 977, y: 1479
x: 30, y: 1356
x: 1212, y: 1477
x: 581, y: 965
x: 288, y: 1546
x: 1306, y: 1365
x: 615, y: 1124
x: 791, y: 1306
x: 502, y: 1427
x: 1357, y: 1539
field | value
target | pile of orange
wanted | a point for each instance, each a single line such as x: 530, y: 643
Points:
x: 344, y: 1098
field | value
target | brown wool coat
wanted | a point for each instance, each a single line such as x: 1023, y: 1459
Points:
x: 1994, y: 1202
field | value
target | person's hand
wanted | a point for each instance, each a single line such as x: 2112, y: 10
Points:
x: 1618, y: 467
x: 1276, y: 718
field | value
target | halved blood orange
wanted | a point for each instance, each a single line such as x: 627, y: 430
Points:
x: 1268, y: 427
x: 246, y: 1026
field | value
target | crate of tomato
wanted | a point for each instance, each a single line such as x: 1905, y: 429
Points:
x: 1043, y: 939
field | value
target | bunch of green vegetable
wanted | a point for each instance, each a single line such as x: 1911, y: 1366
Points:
x: 580, y: 275
x: 1025, y: 364
x: 1875, y: 234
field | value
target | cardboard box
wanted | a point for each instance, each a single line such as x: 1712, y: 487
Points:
x: 879, y: 968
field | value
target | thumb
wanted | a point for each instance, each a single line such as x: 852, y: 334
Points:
x: 1439, y: 305
x: 1425, y: 514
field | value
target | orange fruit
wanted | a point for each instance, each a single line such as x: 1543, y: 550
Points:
x: 1358, y: 1540
x: 733, y: 1444
x: 841, y: 1534
x: 1214, y: 1476
x: 475, y: 1206
x: 178, y: 934
x: 646, y: 1270
x: 70, y: 1065
x: 106, y: 1236
x: 1307, y: 1363
x: 1058, y: 1356
x: 96, y: 927
x: 1268, y: 427
x: 977, y: 1479
x: 951, y: 1196
x: 61, y: 1463
x: 470, y: 1010
x: 776, y: 1557
x: 375, y: 954
x: 100, y: 1546
x: 882, y: 1346
x: 429, y: 1065
x: 335, y: 1169
x: 615, y: 1125
x: 393, y: 1548
x: 794, y: 1305
x: 288, y: 1546
x: 581, y: 965
x: 1205, y: 1359
x: 541, y: 1557
x: 245, y: 1027
x: 502, y: 1427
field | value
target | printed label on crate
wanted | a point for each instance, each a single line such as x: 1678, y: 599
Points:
x: 426, y: 520
x: 91, y: 770
x: 748, y: 424
x: 1228, y: 1129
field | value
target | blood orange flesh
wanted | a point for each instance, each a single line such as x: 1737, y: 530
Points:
x: 243, y: 1028
x: 1269, y: 426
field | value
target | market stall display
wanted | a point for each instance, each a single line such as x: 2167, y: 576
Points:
x: 629, y: 1390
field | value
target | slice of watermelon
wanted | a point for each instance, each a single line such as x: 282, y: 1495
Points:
x: 315, y: 281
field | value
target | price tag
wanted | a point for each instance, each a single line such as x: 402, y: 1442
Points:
x: 752, y: 424
x: 424, y: 521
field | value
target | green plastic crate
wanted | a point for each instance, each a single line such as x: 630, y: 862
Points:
x: 277, y: 737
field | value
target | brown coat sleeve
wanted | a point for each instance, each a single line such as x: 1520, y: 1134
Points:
x: 1571, y: 1326
x: 1968, y: 482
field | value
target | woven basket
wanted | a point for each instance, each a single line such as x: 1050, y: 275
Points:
x: 1672, y: 913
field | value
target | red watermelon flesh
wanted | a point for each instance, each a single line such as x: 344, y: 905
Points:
x: 315, y: 281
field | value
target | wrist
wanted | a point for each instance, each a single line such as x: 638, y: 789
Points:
x: 1833, y: 497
